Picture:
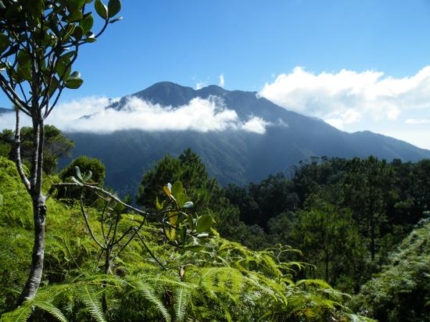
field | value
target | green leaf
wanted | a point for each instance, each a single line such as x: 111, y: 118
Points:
x: 159, y: 206
x: 204, y: 223
x: 87, y: 23
x: 4, y: 43
x: 195, y: 248
x: 177, y: 189
x: 75, y: 16
x: 114, y: 6
x: 101, y: 9
x: 78, y: 173
x: 74, y: 81
x: 78, y: 32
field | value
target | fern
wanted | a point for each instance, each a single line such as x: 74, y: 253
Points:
x: 92, y: 303
x: 181, y: 298
x: 21, y: 314
x: 148, y: 293
x: 51, y: 309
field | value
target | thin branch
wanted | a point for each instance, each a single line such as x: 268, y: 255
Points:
x: 87, y: 223
x: 100, y: 190
x: 150, y: 252
x: 13, y: 96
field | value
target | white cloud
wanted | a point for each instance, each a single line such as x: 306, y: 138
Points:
x: 417, y: 122
x: 221, y: 80
x: 356, y: 101
x: 349, y: 97
x: 255, y: 124
x: 90, y: 115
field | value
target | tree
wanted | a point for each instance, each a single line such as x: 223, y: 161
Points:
x: 366, y: 187
x: 56, y: 146
x: 39, y: 43
x: 187, y: 168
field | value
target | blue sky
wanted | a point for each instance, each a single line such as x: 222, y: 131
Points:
x: 357, y: 64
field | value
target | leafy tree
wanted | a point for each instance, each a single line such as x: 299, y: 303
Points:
x: 56, y: 146
x: 366, y: 187
x: 260, y: 202
x: 85, y: 164
x: 330, y: 240
x: 187, y: 168
x: 39, y: 43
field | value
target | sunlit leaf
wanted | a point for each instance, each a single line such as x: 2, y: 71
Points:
x: 204, y: 223
x: 74, y: 81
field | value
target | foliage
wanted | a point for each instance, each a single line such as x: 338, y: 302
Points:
x: 400, y: 292
x: 154, y: 278
x: 56, y: 146
x: 39, y: 43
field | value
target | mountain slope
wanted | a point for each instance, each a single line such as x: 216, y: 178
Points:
x: 231, y: 155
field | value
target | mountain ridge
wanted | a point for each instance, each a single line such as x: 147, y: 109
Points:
x: 232, y: 156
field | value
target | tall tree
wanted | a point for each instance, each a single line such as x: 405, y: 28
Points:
x: 39, y: 43
x: 366, y: 187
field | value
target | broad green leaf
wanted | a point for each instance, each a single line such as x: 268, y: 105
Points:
x: 73, y: 5
x: 204, y: 223
x: 74, y: 81
x: 78, y: 33
x: 75, y: 16
x: 23, y: 57
x: 68, y: 32
x: 173, y: 218
x: 24, y: 72
x: 87, y: 23
x: 114, y: 6
x: 4, y: 43
x: 101, y: 9
x: 177, y: 189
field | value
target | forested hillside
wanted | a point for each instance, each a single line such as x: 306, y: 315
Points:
x: 105, y: 263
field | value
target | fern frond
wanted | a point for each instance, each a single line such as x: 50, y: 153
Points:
x: 51, y: 309
x: 90, y: 298
x: 181, y: 298
x: 148, y: 293
x: 21, y: 314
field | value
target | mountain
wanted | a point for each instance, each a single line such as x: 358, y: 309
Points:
x: 5, y: 110
x: 232, y: 156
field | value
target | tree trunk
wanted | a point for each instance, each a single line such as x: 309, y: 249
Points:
x: 39, y: 212
x: 36, y: 270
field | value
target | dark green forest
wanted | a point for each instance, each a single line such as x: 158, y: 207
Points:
x: 342, y: 239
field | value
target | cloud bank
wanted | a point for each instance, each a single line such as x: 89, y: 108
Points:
x: 90, y: 115
x: 349, y: 97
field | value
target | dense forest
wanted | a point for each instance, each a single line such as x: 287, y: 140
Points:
x: 341, y: 239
